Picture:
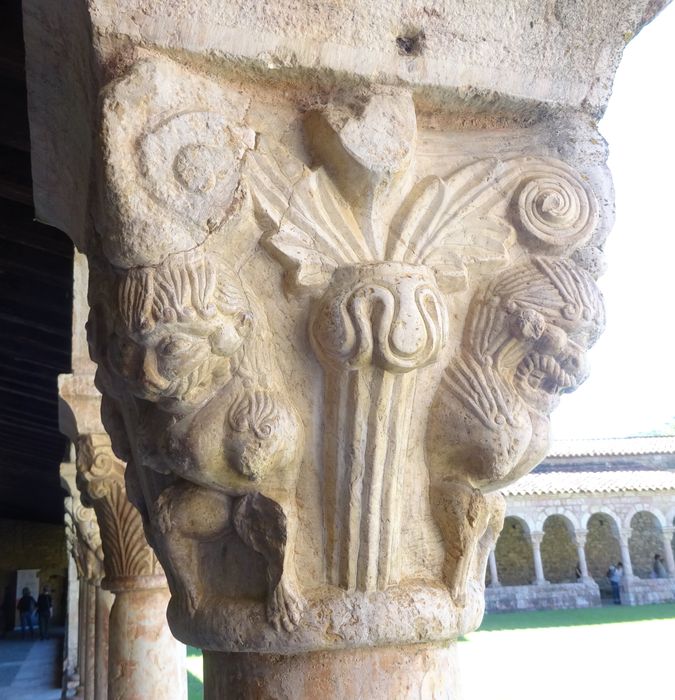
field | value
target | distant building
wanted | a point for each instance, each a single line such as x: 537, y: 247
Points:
x: 591, y: 504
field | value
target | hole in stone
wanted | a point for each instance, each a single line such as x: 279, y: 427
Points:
x: 411, y: 44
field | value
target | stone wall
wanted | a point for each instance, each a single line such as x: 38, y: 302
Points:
x: 602, y: 548
x: 648, y: 591
x: 29, y: 545
x: 558, y: 551
x: 646, y: 540
x: 515, y: 563
x: 554, y: 595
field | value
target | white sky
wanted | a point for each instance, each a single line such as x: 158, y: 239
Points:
x: 632, y: 384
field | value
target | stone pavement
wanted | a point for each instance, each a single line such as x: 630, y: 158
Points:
x: 30, y: 669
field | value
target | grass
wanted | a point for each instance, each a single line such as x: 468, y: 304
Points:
x: 610, y: 614
x: 620, y: 652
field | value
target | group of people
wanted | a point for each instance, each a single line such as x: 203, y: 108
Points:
x: 27, y: 606
x: 615, y: 575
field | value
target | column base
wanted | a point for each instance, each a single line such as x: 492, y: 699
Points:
x: 423, y: 672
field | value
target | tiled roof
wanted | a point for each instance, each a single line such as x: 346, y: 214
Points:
x: 613, y: 446
x: 591, y: 482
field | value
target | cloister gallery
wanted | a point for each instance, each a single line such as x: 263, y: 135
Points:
x: 329, y: 268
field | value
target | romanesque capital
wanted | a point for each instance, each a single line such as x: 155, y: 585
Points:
x: 341, y: 272
x: 129, y: 560
x: 325, y: 341
x: 83, y: 536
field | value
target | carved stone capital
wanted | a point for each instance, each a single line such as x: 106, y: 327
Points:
x: 335, y: 296
x: 536, y: 538
x: 580, y: 537
x: 129, y: 560
x: 322, y: 356
x: 83, y: 536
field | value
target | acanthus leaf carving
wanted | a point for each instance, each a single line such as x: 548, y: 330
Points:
x: 100, y: 477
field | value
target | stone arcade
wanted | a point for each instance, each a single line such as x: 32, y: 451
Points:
x: 342, y: 266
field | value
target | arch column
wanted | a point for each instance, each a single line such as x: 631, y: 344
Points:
x: 494, y: 574
x: 536, y: 540
x: 668, y: 550
x: 624, y: 536
x: 580, y: 541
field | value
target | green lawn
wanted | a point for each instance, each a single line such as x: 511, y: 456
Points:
x: 618, y: 652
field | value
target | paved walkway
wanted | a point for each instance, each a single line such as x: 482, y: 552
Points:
x: 30, y: 669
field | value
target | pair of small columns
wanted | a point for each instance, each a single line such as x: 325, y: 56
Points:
x: 125, y: 648
x: 88, y: 603
x: 624, y: 540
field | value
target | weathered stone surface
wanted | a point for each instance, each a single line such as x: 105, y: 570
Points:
x: 335, y: 295
x: 375, y: 242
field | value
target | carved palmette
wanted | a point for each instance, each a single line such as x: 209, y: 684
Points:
x: 100, y: 478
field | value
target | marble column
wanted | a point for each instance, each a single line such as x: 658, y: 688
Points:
x: 536, y: 539
x: 668, y: 550
x: 94, y: 604
x: 145, y: 661
x: 341, y: 273
x: 71, y: 661
x: 624, y: 538
x: 494, y: 574
x: 580, y: 541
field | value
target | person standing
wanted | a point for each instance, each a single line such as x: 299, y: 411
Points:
x: 44, y: 608
x: 659, y: 569
x: 26, y: 607
x: 615, y: 574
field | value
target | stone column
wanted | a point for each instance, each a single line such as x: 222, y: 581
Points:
x: 335, y: 296
x: 494, y: 576
x: 580, y: 541
x: 536, y: 538
x: 93, y: 627
x: 624, y: 537
x: 668, y: 550
x: 71, y: 652
x: 145, y: 661
x: 94, y: 638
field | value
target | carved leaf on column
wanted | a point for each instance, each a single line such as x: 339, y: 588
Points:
x: 101, y: 480
x: 467, y: 220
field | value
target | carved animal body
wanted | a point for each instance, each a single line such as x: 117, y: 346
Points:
x: 524, y: 342
x: 189, y: 348
x: 238, y: 458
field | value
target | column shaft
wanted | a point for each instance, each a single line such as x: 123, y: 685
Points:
x: 90, y: 644
x: 668, y: 551
x: 625, y: 556
x: 536, y: 553
x: 492, y: 561
x: 104, y: 602
x: 581, y: 553
x: 422, y: 672
x: 146, y: 661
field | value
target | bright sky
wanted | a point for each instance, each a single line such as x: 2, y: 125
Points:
x: 632, y: 384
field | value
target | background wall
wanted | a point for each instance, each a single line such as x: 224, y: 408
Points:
x: 30, y: 545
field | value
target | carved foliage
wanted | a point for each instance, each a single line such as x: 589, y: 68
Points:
x: 101, y: 481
